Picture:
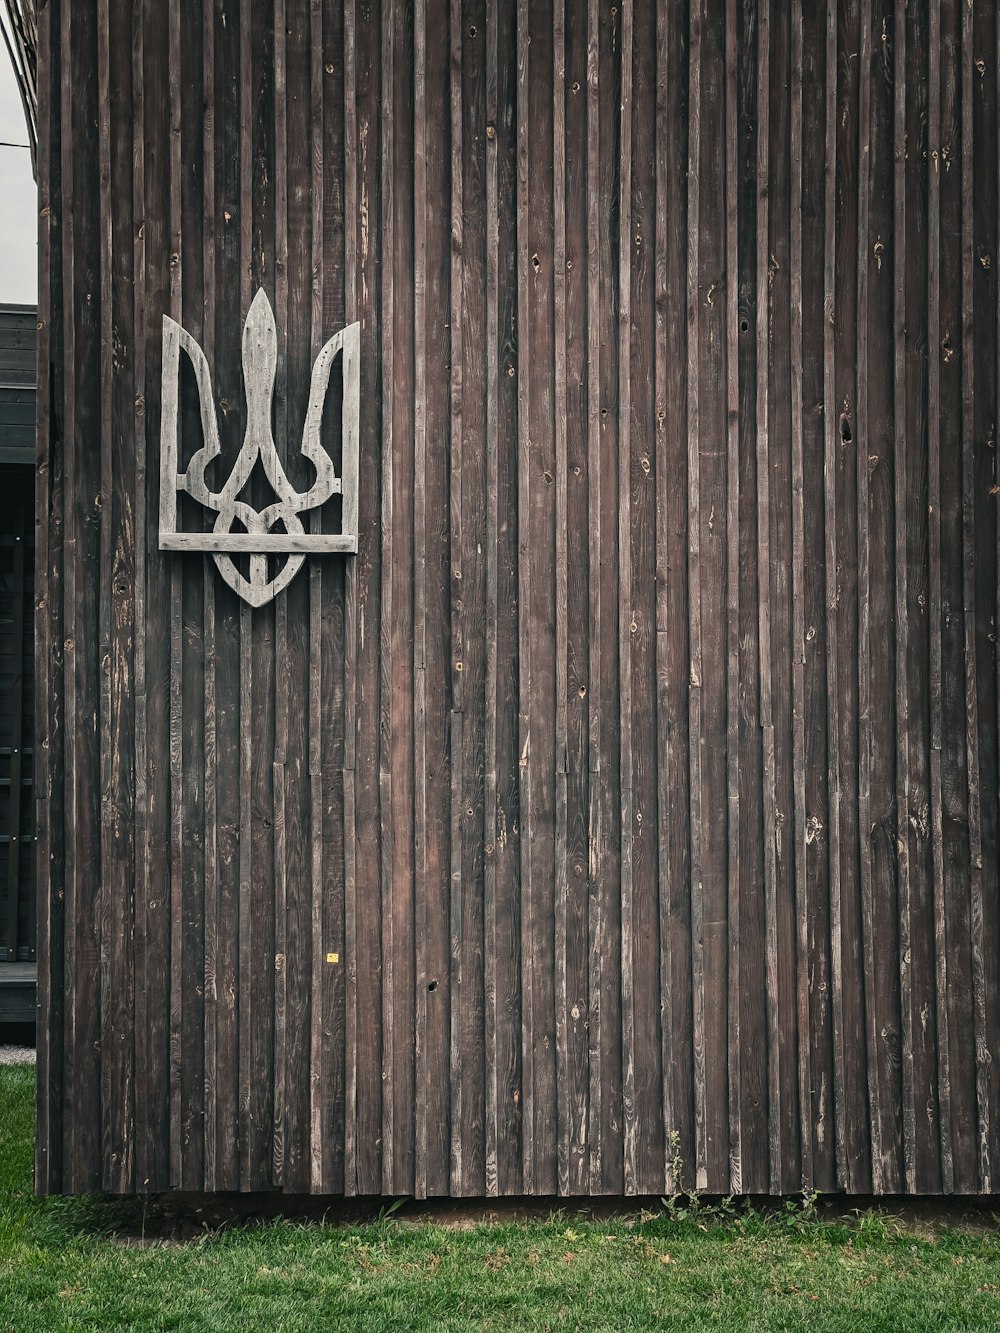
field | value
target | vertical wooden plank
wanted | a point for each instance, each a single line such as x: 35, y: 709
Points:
x: 625, y: 603
x: 457, y: 573
x: 578, y: 528
x: 877, y: 612
x: 764, y: 606
x: 752, y: 1016
x: 986, y: 213
x: 193, y: 572
x: 528, y: 1146
x: 672, y: 616
x: 934, y: 556
x: 456, y: 923
x: 954, y: 749
x: 538, y: 534
x: 664, y: 756
x: 351, y: 1183
x: 996, y: 390
x: 304, y: 963
x: 157, y: 157
x: 281, y: 1129
x: 918, y: 823
x: 815, y: 643
x: 561, y: 585
x: 320, y: 1152
x: 490, y: 815
x: 400, y: 678
x: 906, y: 943
x: 996, y: 463
x: 608, y: 853
x: 832, y: 591
x: 508, y: 830
x: 142, y: 1163
x: 796, y: 354
x: 245, y: 961
x: 473, y: 587
x: 245, y: 922
x: 222, y: 780
x: 423, y: 1088
x: 84, y: 501
x: 595, y: 809
x: 982, y: 1058
x: 319, y: 964
x: 856, y: 1115
x: 434, y: 567
x: 864, y: 605
x: 176, y: 663
x: 694, y: 594
x: 280, y: 972
x: 650, y: 1154
x: 106, y: 910
x: 211, y: 899
x: 387, y: 220
x: 68, y: 408
x: 69, y: 1150
x: 713, y: 612
x: 94, y: 402
x: 605, y: 313
x: 287, y: 899
x: 330, y: 292
x: 780, y: 568
x: 49, y: 1111
x: 735, y: 1107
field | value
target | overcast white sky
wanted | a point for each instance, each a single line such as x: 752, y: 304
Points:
x: 18, y: 221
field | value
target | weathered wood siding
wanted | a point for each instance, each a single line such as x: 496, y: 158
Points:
x: 640, y: 772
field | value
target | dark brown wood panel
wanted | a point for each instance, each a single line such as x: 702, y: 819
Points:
x: 624, y: 814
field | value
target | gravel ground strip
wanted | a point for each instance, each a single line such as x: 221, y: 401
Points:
x: 17, y: 1055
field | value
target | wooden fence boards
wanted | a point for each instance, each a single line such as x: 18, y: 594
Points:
x: 625, y: 813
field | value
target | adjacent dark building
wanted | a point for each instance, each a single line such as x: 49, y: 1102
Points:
x: 17, y: 701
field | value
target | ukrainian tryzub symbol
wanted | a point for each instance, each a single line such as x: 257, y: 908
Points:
x: 277, y: 529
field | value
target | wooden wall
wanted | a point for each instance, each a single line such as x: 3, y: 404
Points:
x: 641, y: 770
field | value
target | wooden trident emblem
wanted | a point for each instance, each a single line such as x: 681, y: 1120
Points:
x: 239, y: 528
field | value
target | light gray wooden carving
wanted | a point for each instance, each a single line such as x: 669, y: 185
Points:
x: 276, y: 529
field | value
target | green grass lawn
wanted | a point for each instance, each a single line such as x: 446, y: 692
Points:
x: 77, y: 1264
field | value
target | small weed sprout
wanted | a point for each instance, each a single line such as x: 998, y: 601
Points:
x: 681, y: 1204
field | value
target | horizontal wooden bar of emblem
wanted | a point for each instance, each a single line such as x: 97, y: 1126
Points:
x: 336, y: 484
x: 249, y: 543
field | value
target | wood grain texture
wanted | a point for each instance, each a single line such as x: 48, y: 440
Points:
x: 626, y: 613
x: 614, y: 807
x: 777, y: 1094
x: 595, y: 804
x: 420, y: 559
x: 696, y: 670
x: 934, y: 596
x: 48, y: 533
x: 982, y: 1057
x: 735, y: 1108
